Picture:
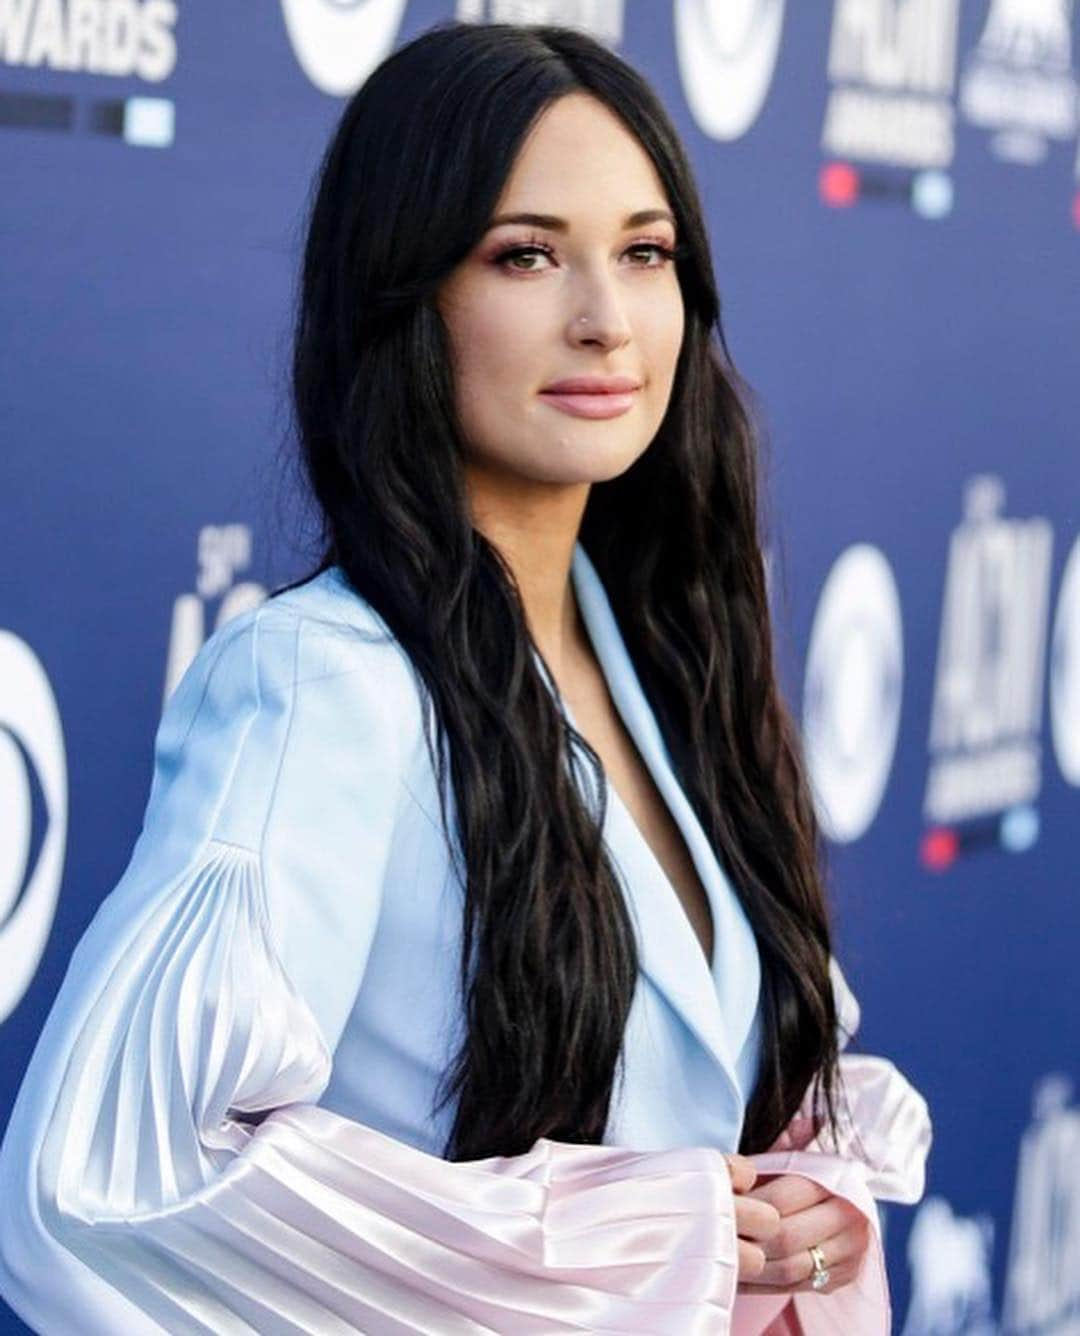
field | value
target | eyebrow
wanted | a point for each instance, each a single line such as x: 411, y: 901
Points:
x: 554, y: 224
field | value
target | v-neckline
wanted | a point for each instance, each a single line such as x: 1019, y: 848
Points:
x: 718, y: 1005
x: 653, y: 756
x: 617, y: 801
x: 718, y: 1000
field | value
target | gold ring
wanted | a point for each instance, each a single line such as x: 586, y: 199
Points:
x: 819, y: 1277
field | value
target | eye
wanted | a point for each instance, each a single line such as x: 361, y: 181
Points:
x: 654, y: 247
x: 663, y: 255
x: 521, y: 252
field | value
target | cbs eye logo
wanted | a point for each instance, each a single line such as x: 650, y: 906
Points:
x: 33, y: 815
x: 339, y: 42
x: 727, y: 52
x: 852, y: 691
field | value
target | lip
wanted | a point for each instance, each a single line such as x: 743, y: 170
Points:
x: 591, y: 405
x: 592, y: 396
x: 592, y: 385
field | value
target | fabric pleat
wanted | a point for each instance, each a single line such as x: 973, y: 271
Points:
x: 170, y: 1166
x: 188, y: 1162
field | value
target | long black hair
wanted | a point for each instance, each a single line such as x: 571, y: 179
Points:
x: 406, y: 189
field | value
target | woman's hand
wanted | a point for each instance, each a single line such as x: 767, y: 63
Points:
x: 756, y: 1221
x: 808, y: 1214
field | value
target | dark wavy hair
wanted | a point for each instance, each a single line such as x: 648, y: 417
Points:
x: 406, y: 189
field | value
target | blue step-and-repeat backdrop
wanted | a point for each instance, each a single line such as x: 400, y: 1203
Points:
x: 893, y: 192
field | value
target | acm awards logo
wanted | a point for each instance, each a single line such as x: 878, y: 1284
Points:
x: 950, y: 1256
x: 985, y: 764
x: 118, y: 38
x: 33, y: 815
x: 891, y: 71
x: 223, y: 553
x: 985, y: 752
x: 727, y: 51
x: 1018, y: 83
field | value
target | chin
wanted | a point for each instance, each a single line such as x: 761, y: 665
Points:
x: 594, y: 459
x: 576, y: 460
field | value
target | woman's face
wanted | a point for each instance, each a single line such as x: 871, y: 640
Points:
x: 514, y: 306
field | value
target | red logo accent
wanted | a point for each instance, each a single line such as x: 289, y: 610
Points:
x: 939, y: 848
x: 839, y: 185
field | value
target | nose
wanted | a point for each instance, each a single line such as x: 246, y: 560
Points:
x: 598, y: 316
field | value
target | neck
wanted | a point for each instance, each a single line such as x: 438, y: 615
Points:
x: 535, y: 526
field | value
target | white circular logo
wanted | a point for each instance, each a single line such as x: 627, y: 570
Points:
x: 339, y: 42
x: 31, y: 754
x: 1065, y: 671
x: 852, y: 691
x: 727, y: 54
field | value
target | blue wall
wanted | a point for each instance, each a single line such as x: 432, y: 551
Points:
x: 893, y: 193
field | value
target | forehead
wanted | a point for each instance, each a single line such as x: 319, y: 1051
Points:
x: 578, y: 155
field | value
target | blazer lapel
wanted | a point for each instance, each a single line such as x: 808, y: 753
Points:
x: 717, y: 1004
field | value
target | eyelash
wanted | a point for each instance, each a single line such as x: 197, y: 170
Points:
x: 667, y: 255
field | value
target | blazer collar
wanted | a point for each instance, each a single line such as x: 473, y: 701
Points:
x: 717, y: 1003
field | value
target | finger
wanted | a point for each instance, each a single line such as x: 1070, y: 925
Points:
x: 839, y: 1276
x: 798, y: 1231
x: 756, y: 1220
x: 790, y: 1192
x: 742, y: 1171
x: 751, y: 1260
x: 840, y: 1253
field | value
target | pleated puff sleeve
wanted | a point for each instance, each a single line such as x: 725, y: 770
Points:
x: 168, y: 1167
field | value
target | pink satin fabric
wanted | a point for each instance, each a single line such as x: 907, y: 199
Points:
x: 316, y: 1223
x: 360, y: 1232
x: 884, y: 1137
x: 563, y: 1238
x: 185, y: 1200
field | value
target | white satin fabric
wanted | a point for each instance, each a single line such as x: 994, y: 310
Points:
x: 312, y: 1222
x: 225, y: 1126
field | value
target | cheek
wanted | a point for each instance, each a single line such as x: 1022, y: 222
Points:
x: 660, y: 331
x: 496, y: 361
x: 671, y: 321
x: 493, y: 338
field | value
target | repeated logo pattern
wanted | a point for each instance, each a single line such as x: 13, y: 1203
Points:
x: 339, y: 42
x: 852, y: 691
x: 727, y: 53
x: 33, y: 815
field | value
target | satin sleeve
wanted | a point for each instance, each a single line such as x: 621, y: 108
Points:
x: 879, y: 1153
x: 168, y: 1167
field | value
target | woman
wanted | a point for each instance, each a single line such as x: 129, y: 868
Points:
x: 472, y: 969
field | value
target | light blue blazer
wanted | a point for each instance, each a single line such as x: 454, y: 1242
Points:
x: 292, y: 860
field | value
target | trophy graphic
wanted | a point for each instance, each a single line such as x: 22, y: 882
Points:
x: 1028, y: 32
x: 1019, y: 81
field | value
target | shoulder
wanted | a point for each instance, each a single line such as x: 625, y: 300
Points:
x: 311, y: 682
x: 319, y: 638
